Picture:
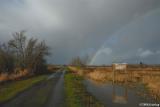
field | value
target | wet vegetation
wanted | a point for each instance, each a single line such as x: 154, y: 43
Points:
x: 76, y: 93
x: 144, y: 80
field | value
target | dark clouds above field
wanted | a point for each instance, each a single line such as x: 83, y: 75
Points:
x: 111, y: 30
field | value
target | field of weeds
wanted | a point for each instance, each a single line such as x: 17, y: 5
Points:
x: 13, y: 76
x: 148, y: 76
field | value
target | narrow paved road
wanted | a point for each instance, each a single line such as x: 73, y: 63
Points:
x: 57, y: 96
x: 51, y: 91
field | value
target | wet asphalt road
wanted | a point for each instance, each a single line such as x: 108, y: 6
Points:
x: 51, y: 89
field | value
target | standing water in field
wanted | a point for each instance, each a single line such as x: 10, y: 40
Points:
x: 113, y: 95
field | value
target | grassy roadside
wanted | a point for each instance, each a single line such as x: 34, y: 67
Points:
x: 8, y: 91
x: 72, y: 99
x: 76, y: 94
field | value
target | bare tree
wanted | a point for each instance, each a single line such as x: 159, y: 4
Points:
x: 40, y: 51
x: 30, y: 54
x: 18, y: 46
x: 6, y: 59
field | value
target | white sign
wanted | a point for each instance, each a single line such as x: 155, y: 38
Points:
x: 122, y: 66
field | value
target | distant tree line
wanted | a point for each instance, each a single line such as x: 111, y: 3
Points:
x: 80, y: 61
x: 21, y: 53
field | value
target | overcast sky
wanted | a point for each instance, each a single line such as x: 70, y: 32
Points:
x: 109, y: 30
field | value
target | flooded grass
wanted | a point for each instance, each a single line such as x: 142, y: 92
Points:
x: 143, y: 82
x: 76, y: 94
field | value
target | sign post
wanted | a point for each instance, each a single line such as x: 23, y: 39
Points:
x: 119, y: 67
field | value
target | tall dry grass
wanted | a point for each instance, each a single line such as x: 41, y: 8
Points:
x: 99, y: 75
x: 78, y: 70
x: 4, y: 77
x: 153, y: 84
x: 14, y: 76
x: 149, y: 77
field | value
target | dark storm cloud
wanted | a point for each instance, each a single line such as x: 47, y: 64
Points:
x: 135, y: 42
x: 73, y: 27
